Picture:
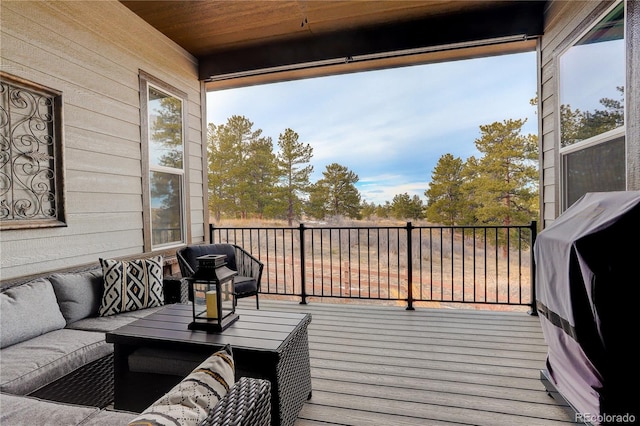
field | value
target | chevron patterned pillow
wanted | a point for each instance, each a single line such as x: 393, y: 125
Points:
x: 131, y: 285
x: 191, y: 400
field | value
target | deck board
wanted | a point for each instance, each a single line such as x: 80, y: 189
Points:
x: 384, y: 365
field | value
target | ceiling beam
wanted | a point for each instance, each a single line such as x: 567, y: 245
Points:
x: 484, y: 51
x: 522, y: 19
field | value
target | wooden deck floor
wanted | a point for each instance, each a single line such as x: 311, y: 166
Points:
x: 382, y: 365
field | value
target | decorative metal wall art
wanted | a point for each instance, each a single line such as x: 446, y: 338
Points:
x: 30, y: 167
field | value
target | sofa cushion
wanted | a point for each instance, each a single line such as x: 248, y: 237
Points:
x: 190, y: 401
x: 29, y: 365
x: 131, y: 285
x: 23, y: 410
x: 111, y: 322
x: 28, y: 310
x: 78, y: 294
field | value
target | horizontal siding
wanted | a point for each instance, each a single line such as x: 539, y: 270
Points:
x: 91, y: 202
x: 198, y: 232
x: 92, y: 52
x: 81, y: 181
x: 98, y: 162
x: 15, y: 259
x: 86, y: 140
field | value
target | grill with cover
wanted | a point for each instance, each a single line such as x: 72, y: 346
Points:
x: 587, y: 295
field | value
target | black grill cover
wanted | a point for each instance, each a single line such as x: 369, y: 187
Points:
x: 588, y: 298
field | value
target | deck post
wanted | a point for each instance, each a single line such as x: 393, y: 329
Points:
x: 409, y: 269
x: 534, y: 233
x: 303, y: 286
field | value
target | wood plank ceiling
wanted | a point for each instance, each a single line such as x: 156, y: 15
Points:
x: 254, y: 41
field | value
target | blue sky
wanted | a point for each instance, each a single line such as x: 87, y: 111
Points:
x: 390, y: 127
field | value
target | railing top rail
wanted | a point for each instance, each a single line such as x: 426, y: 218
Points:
x: 297, y: 228
x: 471, y: 226
x: 312, y: 227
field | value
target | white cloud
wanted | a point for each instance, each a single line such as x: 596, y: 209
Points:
x: 382, y: 190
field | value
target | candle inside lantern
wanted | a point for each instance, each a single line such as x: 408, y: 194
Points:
x: 212, y: 304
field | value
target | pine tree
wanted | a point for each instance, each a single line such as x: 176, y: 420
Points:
x: 216, y: 164
x: 505, y: 179
x: 446, y: 200
x: 404, y: 206
x: 235, y: 152
x: 294, y: 174
x: 367, y: 210
x: 263, y: 176
x: 384, y: 210
x: 335, y: 194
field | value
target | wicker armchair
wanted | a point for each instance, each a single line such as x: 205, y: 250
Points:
x: 247, y: 403
x: 249, y: 268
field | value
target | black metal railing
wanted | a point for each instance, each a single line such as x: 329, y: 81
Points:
x: 440, y: 264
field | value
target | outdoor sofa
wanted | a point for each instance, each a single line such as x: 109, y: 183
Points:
x: 56, y: 367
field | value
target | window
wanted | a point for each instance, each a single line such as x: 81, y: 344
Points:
x: 31, y: 185
x: 592, y: 135
x: 163, y: 123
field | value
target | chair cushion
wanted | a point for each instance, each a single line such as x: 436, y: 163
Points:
x: 131, y: 285
x: 78, y: 294
x: 243, y: 285
x: 27, y: 311
x: 190, y: 401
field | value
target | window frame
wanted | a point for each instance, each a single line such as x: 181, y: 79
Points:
x: 147, y: 81
x: 602, y: 138
x: 56, y: 155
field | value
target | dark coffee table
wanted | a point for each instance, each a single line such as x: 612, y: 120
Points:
x: 266, y: 345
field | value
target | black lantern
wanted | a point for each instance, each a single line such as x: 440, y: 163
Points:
x: 213, y: 296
